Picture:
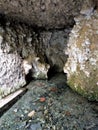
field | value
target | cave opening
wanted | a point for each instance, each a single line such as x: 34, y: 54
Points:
x: 25, y: 40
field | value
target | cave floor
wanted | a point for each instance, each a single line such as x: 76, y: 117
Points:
x: 51, y: 105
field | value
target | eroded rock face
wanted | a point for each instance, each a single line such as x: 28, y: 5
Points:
x: 49, y: 49
x: 54, y: 44
x: 24, y: 41
x: 39, y: 50
x: 42, y: 13
x: 38, y: 70
x: 82, y: 64
x: 11, y: 72
x: 88, y: 7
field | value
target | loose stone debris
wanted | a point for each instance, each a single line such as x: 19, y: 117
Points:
x: 62, y: 109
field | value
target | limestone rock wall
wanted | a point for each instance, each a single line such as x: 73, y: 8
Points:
x: 11, y: 72
x: 47, y: 45
x: 23, y: 40
x: 15, y: 45
x: 42, y: 13
x: 54, y: 43
x: 82, y: 64
x: 24, y: 50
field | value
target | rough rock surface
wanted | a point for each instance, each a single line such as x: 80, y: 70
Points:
x: 39, y: 49
x: 47, y: 45
x: 42, y: 13
x: 23, y: 40
x: 11, y: 71
x: 82, y: 64
x: 54, y: 44
x: 88, y: 7
x: 37, y: 69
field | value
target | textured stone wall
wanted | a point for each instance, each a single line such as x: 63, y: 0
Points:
x: 54, y: 43
x: 82, y: 64
x: 11, y: 72
x: 24, y: 50
x: 42, y: 13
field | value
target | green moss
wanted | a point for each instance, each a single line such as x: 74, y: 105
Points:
x: 84, y: 86
x: 76, y: 86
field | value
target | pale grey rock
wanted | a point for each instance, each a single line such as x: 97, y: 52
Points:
x: 11, y: 72
x: 32, y: 64
x: 23, y: 40
x: 82, y: 64
x: 88, y: 7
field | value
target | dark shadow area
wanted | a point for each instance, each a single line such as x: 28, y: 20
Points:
x: 29, y: 77
x: 60, y: 82
x: 52, y: 72
x: 37, y: 29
